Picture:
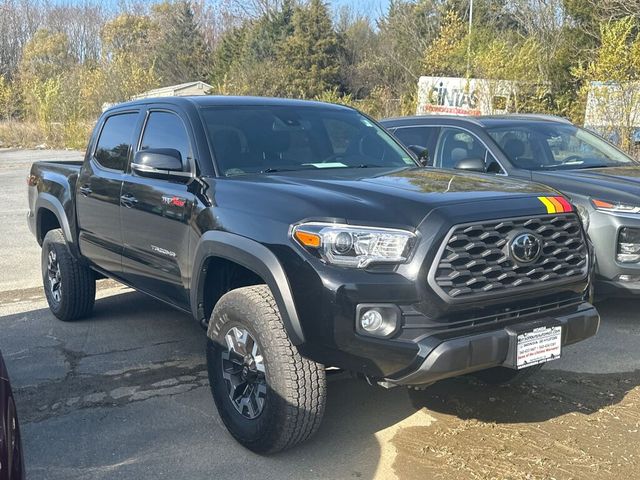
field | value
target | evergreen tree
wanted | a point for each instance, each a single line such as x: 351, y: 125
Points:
x: 311, y: 53
x: 181, y: 54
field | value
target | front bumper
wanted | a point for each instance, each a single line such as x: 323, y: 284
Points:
x: 459, y: 356
x: 603, y: 230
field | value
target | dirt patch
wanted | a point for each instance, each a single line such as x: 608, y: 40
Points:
x: 563, y: 426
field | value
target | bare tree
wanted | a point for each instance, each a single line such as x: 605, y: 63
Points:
x: 81, y: 22
x: 19, y: 19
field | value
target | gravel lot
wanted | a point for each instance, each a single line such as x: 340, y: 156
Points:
x: 124, y: 395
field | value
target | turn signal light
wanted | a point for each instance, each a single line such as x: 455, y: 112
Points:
x: 307, y: 239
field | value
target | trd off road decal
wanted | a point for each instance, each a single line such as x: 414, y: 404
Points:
x: 556, y: 204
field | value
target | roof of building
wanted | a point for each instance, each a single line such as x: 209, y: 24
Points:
x: 156, y: 92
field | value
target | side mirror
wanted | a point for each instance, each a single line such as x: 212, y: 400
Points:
x: 158, y: 162
x: 421, y: 153
x: 471, y: 165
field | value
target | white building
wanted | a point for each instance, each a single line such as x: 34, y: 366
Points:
x: 181, y: 90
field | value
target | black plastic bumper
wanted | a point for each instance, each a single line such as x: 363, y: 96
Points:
x: 462, y: 355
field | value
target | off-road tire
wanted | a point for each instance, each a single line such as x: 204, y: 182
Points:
x: 78, y: 283
x: 506, y: 376
x: 296, y: 387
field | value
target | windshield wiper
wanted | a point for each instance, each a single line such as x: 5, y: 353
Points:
x: 575, y: 166
x: 278, y: 170
x: 603, y: 165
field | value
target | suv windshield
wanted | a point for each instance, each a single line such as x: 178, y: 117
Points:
x: 546, y: 145
x: 265, y: 139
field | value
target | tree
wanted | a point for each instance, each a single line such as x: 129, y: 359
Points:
x: 270, y: 32
x: 446, y: 56
x: 179, y: 46
x: 46, y: 55
x: 359, y: 67
x: 405, y: 31
x: 612, y: 81
x: 311, y: 52
x: 127, y: 66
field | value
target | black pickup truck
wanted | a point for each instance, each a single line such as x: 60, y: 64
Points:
x: 302, y: 236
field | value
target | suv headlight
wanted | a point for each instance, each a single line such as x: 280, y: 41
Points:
x: 628, y: 250
x: 354, y: 246
x: 614, y: 207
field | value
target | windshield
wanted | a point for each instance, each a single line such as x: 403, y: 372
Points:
x: 265, y: 139
x: 555, y: 146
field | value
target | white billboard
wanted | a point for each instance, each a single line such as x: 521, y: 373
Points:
x: 463, y: 96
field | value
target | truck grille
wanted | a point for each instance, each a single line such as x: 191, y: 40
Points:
x: 477, y: 259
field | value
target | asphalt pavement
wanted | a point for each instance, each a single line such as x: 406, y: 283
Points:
x: 124, y: 393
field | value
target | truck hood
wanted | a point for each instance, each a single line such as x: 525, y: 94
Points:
x: 616, y: 184
x: 400, y: 196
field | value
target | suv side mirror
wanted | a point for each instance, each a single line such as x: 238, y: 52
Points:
x: 471, y: 165
x: 159, y: 162
x: 421, y: 152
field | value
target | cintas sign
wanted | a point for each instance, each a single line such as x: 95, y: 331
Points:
x: 463, y: 96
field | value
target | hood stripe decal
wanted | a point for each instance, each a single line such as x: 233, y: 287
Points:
x: 556, y: 204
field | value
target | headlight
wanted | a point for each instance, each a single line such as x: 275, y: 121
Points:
x: 628, y: 245
x: 614, y: 207
x: 352, y: 246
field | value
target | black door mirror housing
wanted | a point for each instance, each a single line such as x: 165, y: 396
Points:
x: 421, y: 153
x: 471, y: 165
x: 159, y: 162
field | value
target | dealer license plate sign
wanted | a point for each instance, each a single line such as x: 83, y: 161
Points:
x: 538, y: 346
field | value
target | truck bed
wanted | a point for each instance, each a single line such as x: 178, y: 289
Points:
x: 55, y: 179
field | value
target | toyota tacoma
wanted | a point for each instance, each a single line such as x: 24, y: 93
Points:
x: 304, y: 237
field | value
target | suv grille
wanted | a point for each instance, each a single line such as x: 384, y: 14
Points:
x: 476, y: 258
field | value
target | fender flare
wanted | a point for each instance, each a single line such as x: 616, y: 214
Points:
x: 255, y: 257
x: 46, y: 201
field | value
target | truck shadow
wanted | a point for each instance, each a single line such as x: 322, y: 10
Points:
x: 548, y: 395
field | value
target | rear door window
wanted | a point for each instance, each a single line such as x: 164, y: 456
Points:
x: 114, y: 144
x: 418, y: 136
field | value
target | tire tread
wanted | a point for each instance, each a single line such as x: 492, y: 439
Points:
x: 79, y: 285
x: 305, y: 389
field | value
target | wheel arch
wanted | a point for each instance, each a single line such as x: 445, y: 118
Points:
x: 47, y: 205
x: 249, y: 255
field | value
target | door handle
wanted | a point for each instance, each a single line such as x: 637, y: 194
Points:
x: 85, y: 190
x: 128, y: 200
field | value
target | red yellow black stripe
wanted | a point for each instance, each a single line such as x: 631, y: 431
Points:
x: 556, y: 204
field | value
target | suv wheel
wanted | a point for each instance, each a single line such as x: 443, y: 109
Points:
x: 269, y: 397
x: 506, y: 376
x: 70, y: 287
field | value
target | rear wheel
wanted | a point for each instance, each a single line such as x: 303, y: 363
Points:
x: 269, y: 397
x: 69, y: 286
x: 506, y: 376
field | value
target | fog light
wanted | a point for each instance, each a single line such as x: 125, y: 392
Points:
x: 371, y: 320
x: 628, y: 245
x: 629, y: 278
x: 378, y: 320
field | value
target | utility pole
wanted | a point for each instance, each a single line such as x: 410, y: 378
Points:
x: 469, y: 39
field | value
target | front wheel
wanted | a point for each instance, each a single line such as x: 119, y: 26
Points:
x: 269, y: 397
x: 69, y: 286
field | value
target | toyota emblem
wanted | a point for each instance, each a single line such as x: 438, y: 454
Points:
x: 526, y: 248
